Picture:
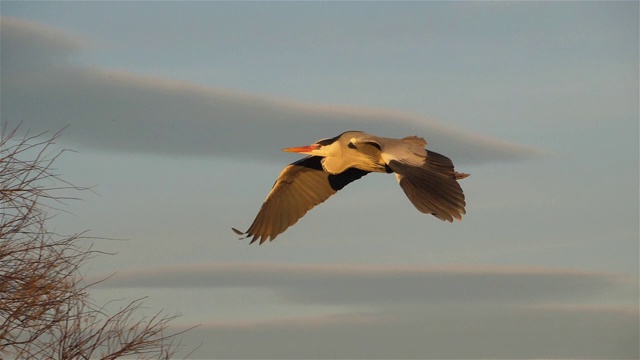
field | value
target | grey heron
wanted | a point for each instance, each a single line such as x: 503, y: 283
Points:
x: 427, y: 178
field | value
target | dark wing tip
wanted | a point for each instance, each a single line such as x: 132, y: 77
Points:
x: 245, y: 235
x: 261, y: 239
x: 254, y: 237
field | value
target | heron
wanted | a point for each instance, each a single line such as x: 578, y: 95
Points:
x: 427, y: 178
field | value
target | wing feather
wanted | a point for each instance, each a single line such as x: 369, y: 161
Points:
x: 300, y: 186
x: 432, y: 188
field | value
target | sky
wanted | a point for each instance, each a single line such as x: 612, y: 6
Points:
x: 177, y: 112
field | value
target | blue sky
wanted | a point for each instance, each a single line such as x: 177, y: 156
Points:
x: 178, y: 112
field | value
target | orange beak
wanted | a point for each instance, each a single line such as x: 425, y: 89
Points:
x: 302, y: 149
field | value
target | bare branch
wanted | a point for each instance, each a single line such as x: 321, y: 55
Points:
x: 45, y: 307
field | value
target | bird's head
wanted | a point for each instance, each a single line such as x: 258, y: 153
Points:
x: 330, y: 147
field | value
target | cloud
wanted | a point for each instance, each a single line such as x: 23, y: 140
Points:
x: 405, y: 311
x: 117, y: 111
x: 31, y: 46
x: 300, y: 322
x: 381, y: 285
x: 429, y: 332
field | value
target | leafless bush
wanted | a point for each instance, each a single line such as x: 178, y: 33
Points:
x: 45, y: 308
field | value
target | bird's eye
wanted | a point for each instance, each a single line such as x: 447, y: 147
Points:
x: 351, y: 146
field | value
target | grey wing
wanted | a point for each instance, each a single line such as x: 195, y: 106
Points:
x: 300, y: 186
x: 432, y: 188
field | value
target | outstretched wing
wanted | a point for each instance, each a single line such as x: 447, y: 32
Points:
x: 432, y: 187
x: 300, y: 186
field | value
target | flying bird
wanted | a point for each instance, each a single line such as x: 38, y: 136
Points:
x: 427, y: 178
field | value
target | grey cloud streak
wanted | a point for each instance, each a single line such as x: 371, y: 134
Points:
x: 432, y: 332
x: 116, y: 111
x: 416, y: 312
x: 354, y: 284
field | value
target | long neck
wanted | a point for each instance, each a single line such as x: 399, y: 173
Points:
x: 364, y: 157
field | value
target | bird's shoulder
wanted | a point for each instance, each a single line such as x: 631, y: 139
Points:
x: 297, y: 168
x: 410, y: 149
x: 415, y: 141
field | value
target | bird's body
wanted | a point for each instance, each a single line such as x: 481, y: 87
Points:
x: 427, y: 178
